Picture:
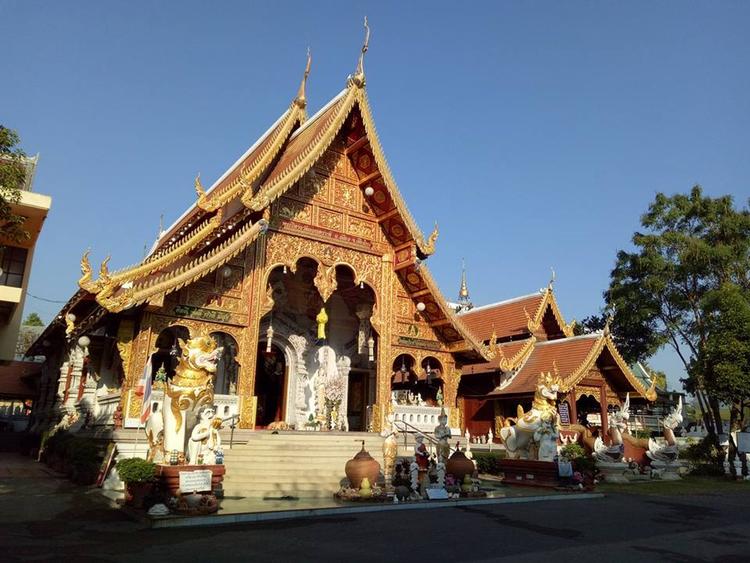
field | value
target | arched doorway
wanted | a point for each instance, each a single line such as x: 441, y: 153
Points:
x: 270, y: 385
x: 227, y: 370
x: 168, y: 350
x: 589, y: 411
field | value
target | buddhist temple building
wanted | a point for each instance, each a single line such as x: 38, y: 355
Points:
x: 306, y: 232
x: 529, y: 336
x: 302, y: 259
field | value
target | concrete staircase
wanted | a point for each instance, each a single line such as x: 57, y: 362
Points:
x: 297, y: 464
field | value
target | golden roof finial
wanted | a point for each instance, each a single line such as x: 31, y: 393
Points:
x: 301, y: 100
x: 359, y: 75
x: 104, y: 270
x: 198, y: 187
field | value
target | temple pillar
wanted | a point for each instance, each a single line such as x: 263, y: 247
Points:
x: 450, y: 392
x: 603, y: 410
x: 248, y: 353
x: 138, y: 355
x: 383, y: 323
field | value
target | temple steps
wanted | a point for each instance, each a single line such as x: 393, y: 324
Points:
x: 297, y: 464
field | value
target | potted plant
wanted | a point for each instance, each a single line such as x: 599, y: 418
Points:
x: 138, y: 476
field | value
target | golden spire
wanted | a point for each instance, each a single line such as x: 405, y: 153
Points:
x: 464, y: 303
x: 358, y: 79
x: 463, y: 293
x: 301, y: 100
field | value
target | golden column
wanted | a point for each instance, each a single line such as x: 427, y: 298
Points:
x: 255, y: 262
x: 384, y: 326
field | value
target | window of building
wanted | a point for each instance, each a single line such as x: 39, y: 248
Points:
x: 13, y: 265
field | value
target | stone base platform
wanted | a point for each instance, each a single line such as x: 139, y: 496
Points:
x: 529, y: 473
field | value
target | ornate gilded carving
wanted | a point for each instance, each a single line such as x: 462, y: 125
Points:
x: 330, y: 219
x: 428, y: 247
x: 325, y: 281
x: 125, y: 343
x: 286, y: 249
x: 184, y: 275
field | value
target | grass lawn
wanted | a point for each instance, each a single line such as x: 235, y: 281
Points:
x: 688, y: 485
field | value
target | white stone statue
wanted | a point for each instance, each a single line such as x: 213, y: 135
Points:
x: 414, y: 477
x: 618, y: 423
x: 442, y: 435
x: 541, y: 423
x: 204, y: 439
x: 190, y: 389
x: 329, y: 384
x: 669, y: 452
x: 440, y: 468
x: 490, y: 437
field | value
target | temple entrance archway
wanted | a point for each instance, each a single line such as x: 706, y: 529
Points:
x: 227, y: 370
x: 589, y: 411
x: 329, y: 377
x: 270, y: 385
x: 168, y: 350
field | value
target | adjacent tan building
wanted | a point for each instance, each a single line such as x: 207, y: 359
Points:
x: 16, y: 262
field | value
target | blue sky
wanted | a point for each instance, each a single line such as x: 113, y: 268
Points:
x: 536, y: 133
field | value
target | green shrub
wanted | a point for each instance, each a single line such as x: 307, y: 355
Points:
x: 703, y: 457
x: 572, y: 452
x: 57, y: 444
x: 639, y: 434
x: 488, y: 462
x: 136, y: 470
x: 575, y: 454
x: 82, y: 453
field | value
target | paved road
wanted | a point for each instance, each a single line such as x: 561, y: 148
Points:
x: 43, y: 518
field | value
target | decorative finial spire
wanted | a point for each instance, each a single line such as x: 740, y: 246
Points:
x: 464, y: 301
x: 359, y: 75
x: 301, y: 100
x: 551, y: 279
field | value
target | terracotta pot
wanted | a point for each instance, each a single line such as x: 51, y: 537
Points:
x: 459, y: 466
x: 360, y: 466
x: 137, y: 492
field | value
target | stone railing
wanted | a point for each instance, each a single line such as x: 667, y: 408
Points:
x: 424, y: 419
x: 105, y: 408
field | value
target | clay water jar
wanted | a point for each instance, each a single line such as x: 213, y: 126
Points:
x: 459, y: 466
x: 360, y: 466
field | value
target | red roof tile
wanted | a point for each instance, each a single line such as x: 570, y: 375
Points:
x: 506, y: 318
x: 567, y: 354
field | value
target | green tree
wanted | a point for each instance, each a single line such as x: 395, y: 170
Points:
x: 33, y: 320
x: 692, y: 245
x: 725, y: 357
x: 12, y: 178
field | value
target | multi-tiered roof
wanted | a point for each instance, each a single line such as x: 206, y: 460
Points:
x: 234, y: 212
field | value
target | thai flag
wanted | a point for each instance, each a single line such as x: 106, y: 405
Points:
x: 144, y: 389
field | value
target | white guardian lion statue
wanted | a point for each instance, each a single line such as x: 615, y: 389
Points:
x: 190, y: 389
x: 539, y: 427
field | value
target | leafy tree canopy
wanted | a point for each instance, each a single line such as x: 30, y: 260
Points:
x: 12, y: 178
x: 33, y: 320
x: 690, y: 262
